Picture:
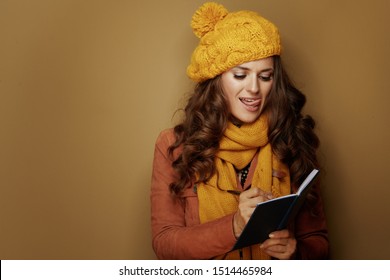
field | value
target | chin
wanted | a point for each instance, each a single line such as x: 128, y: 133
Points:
x: 249, y: 118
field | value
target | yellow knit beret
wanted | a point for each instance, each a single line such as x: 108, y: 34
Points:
x: 229, y: 39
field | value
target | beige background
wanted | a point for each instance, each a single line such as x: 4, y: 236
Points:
x: 86, y: 86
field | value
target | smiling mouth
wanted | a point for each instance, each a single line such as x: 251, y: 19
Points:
x: 252, y: 102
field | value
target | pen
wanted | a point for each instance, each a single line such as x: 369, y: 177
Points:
x: 237, y: 192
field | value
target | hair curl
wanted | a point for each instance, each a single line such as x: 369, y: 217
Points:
x: 290, y: 133
x: 205, y: 120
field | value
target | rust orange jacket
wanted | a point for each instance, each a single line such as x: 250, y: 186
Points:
x: 178, y: 234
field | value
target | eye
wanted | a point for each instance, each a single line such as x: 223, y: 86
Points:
x: 239, y: 76
x: 266, y: 78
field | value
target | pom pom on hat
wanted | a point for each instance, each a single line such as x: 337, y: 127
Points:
x: 228, y: 39
x: 206, y: 17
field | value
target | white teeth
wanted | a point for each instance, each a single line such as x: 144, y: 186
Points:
x: 247, y: 99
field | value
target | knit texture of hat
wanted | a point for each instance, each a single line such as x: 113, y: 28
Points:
x: 229, y: 39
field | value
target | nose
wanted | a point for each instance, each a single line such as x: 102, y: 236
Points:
x: 253, y: 85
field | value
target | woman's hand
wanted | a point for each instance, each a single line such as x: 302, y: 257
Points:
x: 246, y: 205
x: 281, y: 245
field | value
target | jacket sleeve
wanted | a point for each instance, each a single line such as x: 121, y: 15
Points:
x: 311, y: 230
x: 175, y: 233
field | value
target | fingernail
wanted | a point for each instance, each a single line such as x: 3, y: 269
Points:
x: 271, y: 235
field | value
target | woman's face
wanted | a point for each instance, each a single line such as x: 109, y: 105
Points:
x: 246, y: 87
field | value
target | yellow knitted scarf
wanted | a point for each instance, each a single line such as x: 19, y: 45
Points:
x: 238, y: 147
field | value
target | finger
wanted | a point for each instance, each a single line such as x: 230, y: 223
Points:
x: 269, y: 196
x: 278, y: 255
x: 252, y: 192
x: 280, y: 234
x: 276, y: 242
x: 258, y: 194
x: 279, y: 251
x: 276, y: 249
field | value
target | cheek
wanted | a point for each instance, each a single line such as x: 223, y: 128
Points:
x: 229, y: 97
x: 230, y: 92
x: 230, y: 103
x: 267, y: 89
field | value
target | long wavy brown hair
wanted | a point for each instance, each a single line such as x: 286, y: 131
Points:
x: 290, y: 133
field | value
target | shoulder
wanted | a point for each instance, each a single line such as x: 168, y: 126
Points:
x: 166, y: 138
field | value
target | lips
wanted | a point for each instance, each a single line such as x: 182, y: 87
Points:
x: 251, y: 102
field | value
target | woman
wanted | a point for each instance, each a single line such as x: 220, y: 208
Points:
x: 243, y: 140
